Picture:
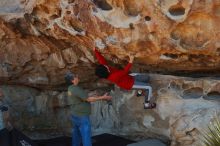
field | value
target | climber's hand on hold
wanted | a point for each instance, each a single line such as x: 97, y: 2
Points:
x: 131, y: 58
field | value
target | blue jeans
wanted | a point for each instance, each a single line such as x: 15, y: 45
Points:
x: 81, y: 131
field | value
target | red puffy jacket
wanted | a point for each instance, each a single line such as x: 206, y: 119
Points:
x: 120, y: 77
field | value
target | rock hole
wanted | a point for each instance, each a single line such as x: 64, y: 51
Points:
x: 77, y: 28
x: 173, y: 56
x: 103, y: 5
x: 68, y: 12
x: 192, y: 132
x: 52, y: 17
x: 57, y: 15
x: 177, y: 10
x: 174, y: 86
x: 131, y: 26
x: 193, y: 93
x: 59, y: 12
x: 214, y: 95
x: 147, y: 18
x: 77, y: 25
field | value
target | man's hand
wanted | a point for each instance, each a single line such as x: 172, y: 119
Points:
x: 94, y: 49
x: 106, y: 97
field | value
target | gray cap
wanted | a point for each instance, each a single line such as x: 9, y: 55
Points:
x: 69, y: 76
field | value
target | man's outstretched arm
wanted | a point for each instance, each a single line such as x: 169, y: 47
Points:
x: 99, y: 57
x: 96, y: 98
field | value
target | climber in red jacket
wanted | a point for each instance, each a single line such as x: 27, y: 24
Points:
x: 122, y: 78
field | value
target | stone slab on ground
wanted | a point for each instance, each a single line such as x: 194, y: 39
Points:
x: 149, y: 142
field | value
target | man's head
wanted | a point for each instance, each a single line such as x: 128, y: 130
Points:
x: 102, y: 71
x: 71, y: 78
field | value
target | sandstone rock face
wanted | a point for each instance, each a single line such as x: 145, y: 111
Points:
x: 39, y: 38
x: 185, y: 107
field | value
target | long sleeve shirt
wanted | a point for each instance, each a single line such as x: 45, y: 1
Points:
x: 118, y: 76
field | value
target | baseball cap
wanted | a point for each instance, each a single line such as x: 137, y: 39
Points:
x: 69, y: 76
